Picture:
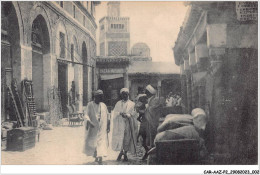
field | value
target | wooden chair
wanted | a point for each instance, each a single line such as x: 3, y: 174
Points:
x: 73, y: 116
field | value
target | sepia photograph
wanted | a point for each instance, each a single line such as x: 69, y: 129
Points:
x: 130, y: 83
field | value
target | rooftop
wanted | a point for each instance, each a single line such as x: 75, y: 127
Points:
x: 149, y: 67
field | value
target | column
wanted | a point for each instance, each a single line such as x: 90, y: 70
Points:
x: 183, y: 88
x: 22, y: 64
x: 159, y: 87
x: 192, y: 62
x: 202, y: 56
x: 48, y: 77
x: 126, y: 81
x: 202, y: 61
x: 216, y: 43
x: 188, y: 83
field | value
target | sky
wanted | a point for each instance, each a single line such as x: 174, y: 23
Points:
x: 155, y: 23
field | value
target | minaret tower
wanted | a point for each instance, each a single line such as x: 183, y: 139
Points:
x: 114, y: 37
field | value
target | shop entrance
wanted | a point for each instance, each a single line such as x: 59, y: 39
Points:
x: 62, y: 85
x: 111, y: 89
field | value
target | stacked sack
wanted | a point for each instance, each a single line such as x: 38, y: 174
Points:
x: 184, y: 126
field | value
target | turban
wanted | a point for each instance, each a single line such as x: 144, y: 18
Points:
x: 98, y: 92
x: 150, y: 89
x: 124, y: 90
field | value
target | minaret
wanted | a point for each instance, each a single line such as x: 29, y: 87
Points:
x: 113, y: 8
x: 114, y: 35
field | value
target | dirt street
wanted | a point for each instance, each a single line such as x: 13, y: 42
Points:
x: 62, y: 146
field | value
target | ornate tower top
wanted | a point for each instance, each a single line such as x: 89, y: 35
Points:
x: 113, y: 8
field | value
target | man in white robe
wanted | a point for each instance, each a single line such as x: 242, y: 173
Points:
x: 96, y: 131
x: 125, y: 126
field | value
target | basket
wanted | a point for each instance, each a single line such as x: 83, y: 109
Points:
x: 177, y: 152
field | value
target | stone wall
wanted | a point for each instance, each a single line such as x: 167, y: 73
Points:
x: 222, y: 80
x: 55, y: 19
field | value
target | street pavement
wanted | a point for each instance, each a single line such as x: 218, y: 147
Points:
x: 63, y: 146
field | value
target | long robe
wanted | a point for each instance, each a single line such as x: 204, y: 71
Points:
x: 96, y: 138
x: 153, y: 113
x: 125, y: 130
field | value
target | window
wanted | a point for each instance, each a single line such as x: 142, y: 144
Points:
x: 74, y: 11
x: 61, y: 4
x: 102, y: 27
x: 84, y: 21
x: 117, y: 26
x: 72, y: 53
x: 62, y: 45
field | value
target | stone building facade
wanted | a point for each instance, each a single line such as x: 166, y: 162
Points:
x: 51, y: 43
x: 119, y: 66
x: 217, y: 51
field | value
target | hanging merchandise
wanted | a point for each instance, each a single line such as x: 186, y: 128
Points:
x: 28, y: 100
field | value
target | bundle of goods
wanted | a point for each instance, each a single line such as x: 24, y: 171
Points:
x: 178, y: 140
x: 20, y: 132
x: 173, y: 121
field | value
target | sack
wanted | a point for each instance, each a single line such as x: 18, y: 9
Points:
x: 173, y: 121
x: 185, y: 132
x: 48, y: 127
x: 199, y: 118
x: 168, y: 135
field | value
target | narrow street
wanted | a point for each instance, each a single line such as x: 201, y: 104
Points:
x: 61, y: 146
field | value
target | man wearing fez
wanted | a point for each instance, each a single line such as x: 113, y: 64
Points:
x: 125, y: 127
x: 96, y: 131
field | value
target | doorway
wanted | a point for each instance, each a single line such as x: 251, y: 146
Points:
x: 62, y: 85
x: 40, y: 57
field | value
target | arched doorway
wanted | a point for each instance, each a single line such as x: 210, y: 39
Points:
x: 85, y: 73
x: 40, y: 52
x: 10, y: 54
x: 78, y: 75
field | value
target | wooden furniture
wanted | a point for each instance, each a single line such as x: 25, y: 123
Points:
x: 73, y: 116
x: 21, y: 139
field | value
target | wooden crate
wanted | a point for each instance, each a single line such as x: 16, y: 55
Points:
x: 177, y: 152
x: 21, y: 139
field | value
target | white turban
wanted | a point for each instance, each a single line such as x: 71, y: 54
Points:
x: 124, y: 90
x: 98, y: 92
x: 150, y: 89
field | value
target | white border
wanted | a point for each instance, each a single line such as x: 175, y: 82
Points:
x: 120, y: 169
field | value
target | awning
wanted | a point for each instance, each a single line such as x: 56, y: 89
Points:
x: 110, y: 76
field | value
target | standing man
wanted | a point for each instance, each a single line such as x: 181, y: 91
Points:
x: 125, y: 128
x: 96, y: 131
x: 153, y: 113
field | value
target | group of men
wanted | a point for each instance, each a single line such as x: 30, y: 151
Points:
x: 124, y: 124
x: 173, y: 100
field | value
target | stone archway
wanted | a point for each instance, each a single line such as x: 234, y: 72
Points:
x: 40, y: 62
x: 10, y: 52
